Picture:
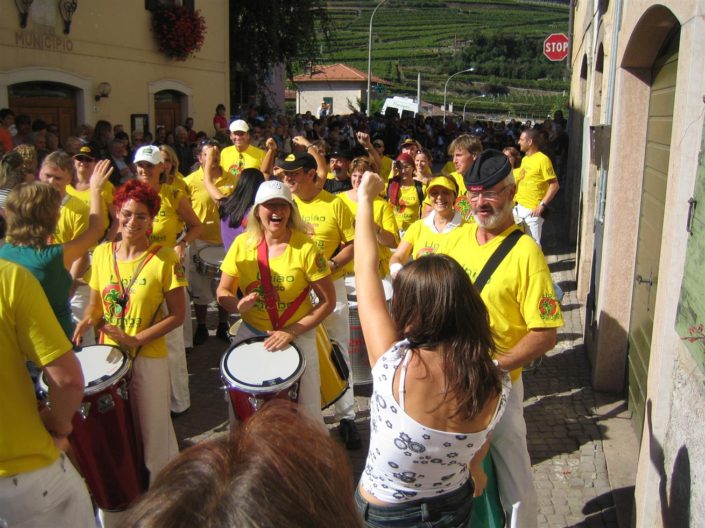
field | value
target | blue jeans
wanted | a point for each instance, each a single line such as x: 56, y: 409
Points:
x: 450, y: 510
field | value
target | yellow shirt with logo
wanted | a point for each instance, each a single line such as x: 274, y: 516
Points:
x: 106, y: 193
x: 28, y: 331
x: 425, y: 240
x: 161, y: 274
x: 234, y: 162
x: 409, y: 209
x: 534, y: 175
x: 385, y: 171
x: 293, y: 271
x: 73, y: 220
x: 168, y: 224
x: 330, y: 224
x: 179, y: 183
x: 203, y: 205
x: 519, y: 295
x: 383, y: 217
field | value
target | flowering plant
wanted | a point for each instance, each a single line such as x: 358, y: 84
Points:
x: 179, y: 31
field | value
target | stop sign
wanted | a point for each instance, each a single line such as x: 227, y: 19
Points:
x: 555, y: 47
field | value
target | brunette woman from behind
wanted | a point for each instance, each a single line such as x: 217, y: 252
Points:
x: 437, y: 394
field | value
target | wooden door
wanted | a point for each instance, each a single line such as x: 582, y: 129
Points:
x: 61, y: 112
x: 658, y: 144
x: 167, y: 110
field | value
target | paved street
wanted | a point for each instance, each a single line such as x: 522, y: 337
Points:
x: 563, y: 416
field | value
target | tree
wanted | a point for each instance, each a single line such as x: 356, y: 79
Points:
x: 265, y: 33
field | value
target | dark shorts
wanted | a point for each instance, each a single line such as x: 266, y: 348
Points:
x: 450, y: 510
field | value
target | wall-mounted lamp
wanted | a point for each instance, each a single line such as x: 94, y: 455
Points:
x: 23, y: 9
x: 67, y: 8
x: 103, y: 90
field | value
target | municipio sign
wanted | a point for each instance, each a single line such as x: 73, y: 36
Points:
x: 555, y: 47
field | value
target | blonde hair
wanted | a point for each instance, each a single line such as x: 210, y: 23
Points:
x: 29, y: 155
x: 174, y: 162
x: 61, y: 160
x: 32, y: 212
x: 255, y: 233
x: 361, y: 163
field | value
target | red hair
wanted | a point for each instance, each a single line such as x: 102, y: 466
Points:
x: 140, y: 192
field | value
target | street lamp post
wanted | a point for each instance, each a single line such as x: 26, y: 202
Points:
x: 445, y: 89
x: 369, y: 59
x: 466, y: 102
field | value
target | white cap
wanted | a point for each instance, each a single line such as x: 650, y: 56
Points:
x: 239, y: 126
x: 272, y: 189
x: 150, y: 154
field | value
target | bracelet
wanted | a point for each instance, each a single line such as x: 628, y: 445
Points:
x: 309, y: 146
x: 333, y: 263
x: 394, y: 268
x: 498, y: 365
x: 542, y: 204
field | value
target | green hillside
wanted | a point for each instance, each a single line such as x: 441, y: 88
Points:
x: 502, y: 39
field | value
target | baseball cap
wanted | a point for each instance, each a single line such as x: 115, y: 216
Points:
x: 150, y: 154
x: 272, y: 189
x: 339, y: 153
x: 408, y: 142
x: 299, y: 160
x: 442, y: 181
x: 239, y: 125
x: 86, y: 151
x: 490, y: 168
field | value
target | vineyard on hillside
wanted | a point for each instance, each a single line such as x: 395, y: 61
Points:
x: 501, y: 39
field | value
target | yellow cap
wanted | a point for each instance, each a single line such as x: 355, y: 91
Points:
x: 442, y: 181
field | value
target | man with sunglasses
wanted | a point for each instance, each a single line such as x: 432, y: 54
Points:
x: 524, y: 317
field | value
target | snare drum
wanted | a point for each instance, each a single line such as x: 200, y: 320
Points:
x: 208, y: 261
x: 333, y: 368
x: 103, y: 440
x: 362, y: 373
x: 254, y: 375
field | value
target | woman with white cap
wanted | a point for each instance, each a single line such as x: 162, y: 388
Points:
x: 436, y: 233
x: 276, y: 237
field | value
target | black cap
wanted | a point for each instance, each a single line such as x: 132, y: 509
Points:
x: 86, y: 151
x: 300, y: 160
x: 340, y: 153
x: 490, y: 168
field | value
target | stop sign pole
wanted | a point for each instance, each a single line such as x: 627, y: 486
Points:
x: 555, y: 47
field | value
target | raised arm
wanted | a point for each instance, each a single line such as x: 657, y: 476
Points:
x: 321, y: 165
x: 377, y: 325
x: 364, y: 139
x: 79, y: 246
x: 268, y: 160
x: 208, y: 176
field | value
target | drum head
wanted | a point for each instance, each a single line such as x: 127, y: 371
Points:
x: 249, y: 366
x: 212, y: 255
x: 102, y: 366
x: 352, y: 290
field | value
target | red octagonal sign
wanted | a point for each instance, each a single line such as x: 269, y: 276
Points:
x: 555, y: 47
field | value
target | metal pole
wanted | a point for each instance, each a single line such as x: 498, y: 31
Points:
x: 445, y: 89
x: 466, y: 102
x: 369, y: 59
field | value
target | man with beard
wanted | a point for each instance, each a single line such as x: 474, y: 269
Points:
x: 524, y: 317
x: 240, y: 155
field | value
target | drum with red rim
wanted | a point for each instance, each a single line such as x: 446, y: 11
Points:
x: 254, y: 375
x: 103, y: 442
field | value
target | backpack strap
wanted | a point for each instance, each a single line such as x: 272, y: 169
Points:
x: 497, y: 257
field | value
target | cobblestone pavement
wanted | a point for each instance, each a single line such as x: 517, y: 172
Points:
x: 564, y: 435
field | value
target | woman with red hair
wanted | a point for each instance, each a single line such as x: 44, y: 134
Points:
x: 130, y: 280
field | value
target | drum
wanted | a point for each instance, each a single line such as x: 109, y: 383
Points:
x: 333, y: 368
x: 362, y: 373
x: 103, y: 442
x: 208, y: 261
x: 254, y: 375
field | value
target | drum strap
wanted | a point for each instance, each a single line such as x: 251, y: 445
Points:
x: 497, y: 257
x: 270, y: 296
x: 125, y: 291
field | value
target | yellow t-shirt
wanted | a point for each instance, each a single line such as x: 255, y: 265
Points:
x: 330, y: 224
x: 460, y: 181
x: 161, y: 274
x: 448, y: 168
x: 409, y: 209
x: 384, y: 218
x: 535, y: 172
x: 385, y: 171
x: 28, y: 331
x: 106, y: 194
x: 295, y: 269
x: 425, y: 240
x: 179, y: 183
x: 519, y: 295
x: 234, y: 162
x: 203, y: 205
x: 167, y: 224
x: 73, y: 220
